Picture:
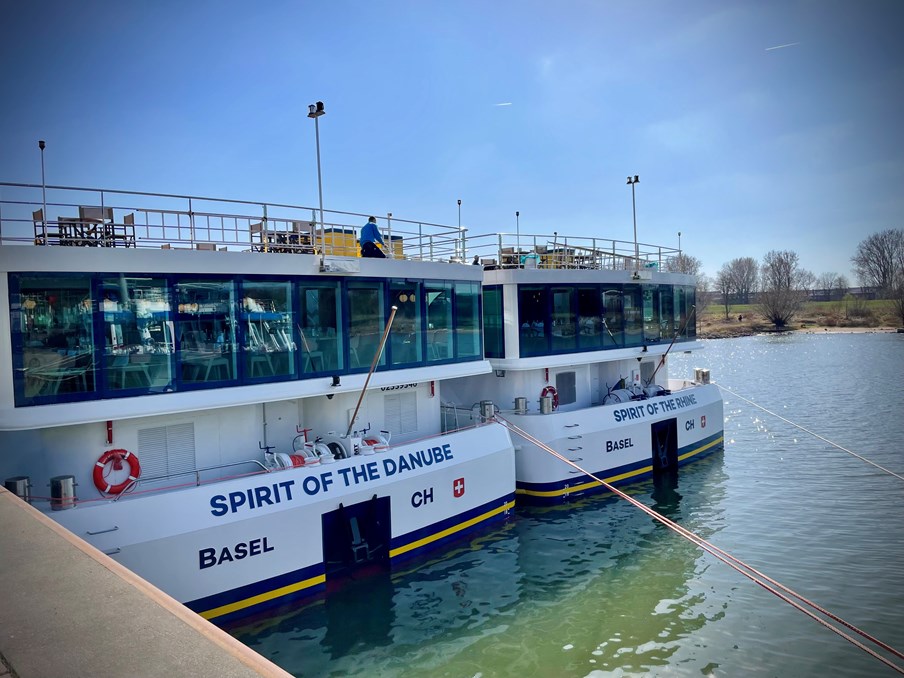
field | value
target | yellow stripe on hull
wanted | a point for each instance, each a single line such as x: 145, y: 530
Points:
x: 451, y: 530
x: 263, y: 597
x: 613, y: 479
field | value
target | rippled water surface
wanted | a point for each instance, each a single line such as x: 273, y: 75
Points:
x: 598, y: 589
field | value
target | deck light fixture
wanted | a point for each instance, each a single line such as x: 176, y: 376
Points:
x: 315, y: 111
x: 631, y: 183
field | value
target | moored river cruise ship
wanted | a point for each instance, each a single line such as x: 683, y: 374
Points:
x: 225, y: 398
x: 579, y: 332
x: 183, y: 388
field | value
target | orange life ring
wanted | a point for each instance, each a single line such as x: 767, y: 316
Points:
x: 551, y: 391
x: 117, y: 457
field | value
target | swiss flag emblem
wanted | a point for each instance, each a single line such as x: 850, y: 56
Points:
x: 458, y: 487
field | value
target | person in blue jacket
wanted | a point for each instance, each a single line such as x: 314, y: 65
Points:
x: 370, y: 236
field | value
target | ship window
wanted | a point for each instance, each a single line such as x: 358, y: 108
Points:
x: 267, y: 329
x: 439, y: 320
x: 652, y: 331
x: 532, y: 316
x: 206, y: 331
x: 590, y: 319
x: 53, y: 315
x: 167, y: 451
x: 138, y: 331
x: 322, y: 340
x: 493, y: 325
x: 614, y: 317
x: 467, y: 319
x: 565, y: 385
x: 400, y: 413
x: 563, y: 320
x: 365, y: 323
x: 633, y: 305
x: 405, y: 336
x: 667, y: 311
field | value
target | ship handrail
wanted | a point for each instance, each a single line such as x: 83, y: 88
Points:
x: 203, y: 222
x: 198, y: 471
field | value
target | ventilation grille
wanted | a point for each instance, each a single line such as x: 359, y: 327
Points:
x: 167, y: 450
x: 400, y: 413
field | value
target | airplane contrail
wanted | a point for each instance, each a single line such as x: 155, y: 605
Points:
x: 790, y: 44
x: 504, y: 103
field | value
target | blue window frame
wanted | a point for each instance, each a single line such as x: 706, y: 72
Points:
x: 90, y: 336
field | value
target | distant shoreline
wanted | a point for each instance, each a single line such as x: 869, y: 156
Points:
x: 740, y: 330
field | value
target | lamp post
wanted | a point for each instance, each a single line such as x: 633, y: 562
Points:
x: 518, y: 231
x: 315, y: 111
x: 460, y: 237
x: 679, y: 243
x: 631, y: 183
x: 41, y: 145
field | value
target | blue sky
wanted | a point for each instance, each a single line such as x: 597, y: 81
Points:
x: 740, y: 147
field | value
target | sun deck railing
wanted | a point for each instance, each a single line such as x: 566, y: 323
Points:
x: 31, y: 214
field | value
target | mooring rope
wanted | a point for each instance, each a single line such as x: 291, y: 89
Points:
x: 740, y: 566
x: 815, y: 435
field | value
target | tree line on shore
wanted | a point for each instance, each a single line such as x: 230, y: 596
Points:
x: 778, y: 286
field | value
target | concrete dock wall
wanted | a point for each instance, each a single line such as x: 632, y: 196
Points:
x: 69, y: 610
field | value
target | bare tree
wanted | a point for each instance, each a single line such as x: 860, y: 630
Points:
x: 743, y: 272
x: 783, y: 285
x: 897, y: 295
x: 879, y: 258
x: 828, y: 283
x: 704, y: 294
x: 725, y: 285
x: 685, y: 263
x: 842, y: 285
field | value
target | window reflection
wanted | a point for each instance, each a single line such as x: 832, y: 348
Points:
x: 365, y: 323
x: 405, y: 336
x: 267, y: 319
x: 138, y: 328
x: 206, y: 330
x: 564, y: 325
x: 467, y: 319
x: 439, y: 320
x: 321, y: 338
x: 57, y: 334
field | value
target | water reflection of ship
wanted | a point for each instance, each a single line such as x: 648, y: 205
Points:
x: 597, y: 574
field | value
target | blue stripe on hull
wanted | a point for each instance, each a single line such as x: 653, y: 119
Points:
x: 580, y: 486
x: 252, y: 598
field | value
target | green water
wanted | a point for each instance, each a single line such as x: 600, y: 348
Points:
x: 598, y: 589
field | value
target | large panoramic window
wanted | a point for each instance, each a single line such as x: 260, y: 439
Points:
x: 493, y: 324
x: 365, y: 323
x: 322, y: 340
x: 439, y: 320
x: 652, y: 331
x: 590, y: 319
x: 90, y: 336
x: 564, y: 322
x: 667, y: 311
x: 56, y: 336
x: 206, y: 331
x: 613, y: 316
x: 405, y: 337
x: 532, y: 316
x: 267, y: 329
x: 467, y: 319
x: 634, y: 318
x: 138, y: 328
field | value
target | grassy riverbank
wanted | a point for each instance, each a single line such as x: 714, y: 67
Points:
x: 816, y: 316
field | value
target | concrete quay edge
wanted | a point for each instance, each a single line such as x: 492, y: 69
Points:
x: 70, y: 610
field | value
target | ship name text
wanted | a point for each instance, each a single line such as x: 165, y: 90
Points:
x: 653, y: 407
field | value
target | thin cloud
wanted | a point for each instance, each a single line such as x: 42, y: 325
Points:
x: 504, y: 103
x: 790, y: 44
